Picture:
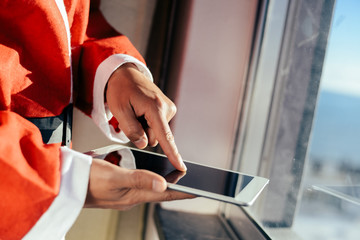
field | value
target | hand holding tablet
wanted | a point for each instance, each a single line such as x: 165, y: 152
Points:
x: 200, y: 180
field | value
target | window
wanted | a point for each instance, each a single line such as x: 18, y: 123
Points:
x: 331, y: 183
x: 299, y: 124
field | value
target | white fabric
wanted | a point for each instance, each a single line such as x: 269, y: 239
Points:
x: 101, y: 113
x: 127, y: 159
x: 61, y: 6
x: 62, y: 213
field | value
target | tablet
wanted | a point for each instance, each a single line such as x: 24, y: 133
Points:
x: 200, y: 180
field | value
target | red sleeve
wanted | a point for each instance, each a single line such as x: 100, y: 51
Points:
x: 101, y: 42
x: 29, y: 175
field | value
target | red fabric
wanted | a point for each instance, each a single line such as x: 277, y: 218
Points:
x: 115, y: 124
x: 35, y: 81
x: 114, y: 158
x: 29, y: 175
x: 34, y: 58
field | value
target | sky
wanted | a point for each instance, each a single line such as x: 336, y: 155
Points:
x: 341, y: 71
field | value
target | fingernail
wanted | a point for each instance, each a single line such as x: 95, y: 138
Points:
x: 141, y: 142
x: 158, y: 186
x: 183, y: 166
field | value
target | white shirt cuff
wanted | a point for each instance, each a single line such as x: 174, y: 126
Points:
x: 64, y: 210
x: 101, y: 113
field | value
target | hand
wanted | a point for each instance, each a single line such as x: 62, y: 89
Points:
x: 111, y: 186
x: 130, y: 95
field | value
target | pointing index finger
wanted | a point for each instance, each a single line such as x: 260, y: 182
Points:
x: 166, y: 140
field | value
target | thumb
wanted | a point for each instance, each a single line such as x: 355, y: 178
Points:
x: 146, y: 180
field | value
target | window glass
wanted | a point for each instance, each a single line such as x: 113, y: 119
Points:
x: 309, y: 143
x: 330, y: 203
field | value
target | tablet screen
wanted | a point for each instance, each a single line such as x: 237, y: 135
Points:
x: 197, y: 176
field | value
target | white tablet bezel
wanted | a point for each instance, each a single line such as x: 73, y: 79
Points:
x: 245, y: 198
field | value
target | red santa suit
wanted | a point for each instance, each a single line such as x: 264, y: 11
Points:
x: 52, y: 53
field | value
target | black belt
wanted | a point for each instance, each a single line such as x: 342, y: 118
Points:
x: 56, y: 129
